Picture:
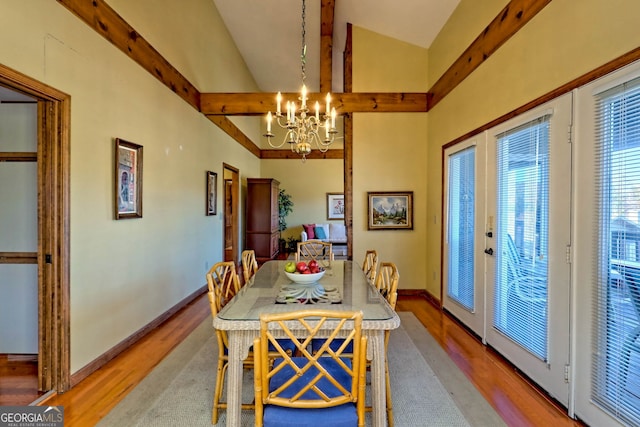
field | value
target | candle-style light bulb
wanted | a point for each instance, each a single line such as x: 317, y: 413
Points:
x: 279, y: 100
x: 269, y: 118
x: 304, y: 96
x: 333, y: 118
x: 317, y: 112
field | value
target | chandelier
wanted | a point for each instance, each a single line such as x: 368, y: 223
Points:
x: 303, y: 129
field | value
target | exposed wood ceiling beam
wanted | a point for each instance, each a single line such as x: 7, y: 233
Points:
x: 327, y: 11
x: 509, y: 21
x: 347, y: 163
x: 288, y: 154
x: 106, y: 22
x: 247, y: 104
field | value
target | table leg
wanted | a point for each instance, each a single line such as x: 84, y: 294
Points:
x: 234, y: 378
x: 378, y: 389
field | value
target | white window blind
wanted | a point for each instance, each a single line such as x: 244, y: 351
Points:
x: 616, y: 311
x: 461, y: 208
x: 520, y: 295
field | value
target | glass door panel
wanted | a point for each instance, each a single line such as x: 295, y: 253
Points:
x: 528, y: 276
x: 464, y: 241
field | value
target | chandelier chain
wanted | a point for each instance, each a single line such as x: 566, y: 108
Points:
x: 302, y: 127
x: 303, y: 54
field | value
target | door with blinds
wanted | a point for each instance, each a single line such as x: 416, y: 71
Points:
x: 464, y: 293
x: 608, y: 389
x: 528, y: 264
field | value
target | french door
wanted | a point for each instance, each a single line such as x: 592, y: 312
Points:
x: 464, y: 259
x: 608, y: 388
x: 507, y: 241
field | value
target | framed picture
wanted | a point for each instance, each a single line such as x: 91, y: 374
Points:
x: 212, y: 195
x: 335, y: 205
x: 128, y: 180
x: 390, y: 210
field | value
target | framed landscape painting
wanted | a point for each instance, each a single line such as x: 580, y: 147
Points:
x: 390, y: 210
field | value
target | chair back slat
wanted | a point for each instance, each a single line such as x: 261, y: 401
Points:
x: 314, y: 249
x: 222, y: 279
x: 249, y: 264
x: 387, y: 282
x: 370, y: 265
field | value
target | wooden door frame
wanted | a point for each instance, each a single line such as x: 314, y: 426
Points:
x: 235, y: 195
x: 53, y: 227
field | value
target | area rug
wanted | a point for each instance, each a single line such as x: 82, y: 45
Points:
x: 427, y: 388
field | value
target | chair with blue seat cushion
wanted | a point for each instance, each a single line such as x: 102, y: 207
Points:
x: 223, y: 283
x: 321, y: 389
x: 223, y: 361
x: 223, y: 280
x: 386, y: 282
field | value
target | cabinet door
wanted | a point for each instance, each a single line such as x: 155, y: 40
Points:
x: 275, y: 217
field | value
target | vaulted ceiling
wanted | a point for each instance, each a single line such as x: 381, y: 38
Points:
x: 269, y: 33
x: 217, y: 106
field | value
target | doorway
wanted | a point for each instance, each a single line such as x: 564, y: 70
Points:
x: 507, y: 230
x: 51, y: 256
x: 231, y: 178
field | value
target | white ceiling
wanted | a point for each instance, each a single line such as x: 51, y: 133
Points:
x: 269, y: 33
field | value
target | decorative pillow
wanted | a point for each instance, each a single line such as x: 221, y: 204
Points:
x: 308, y: 228
x: 320, y: 234
x: 338, y: 232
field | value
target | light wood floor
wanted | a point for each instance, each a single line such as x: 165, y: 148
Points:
x: 517, y: 402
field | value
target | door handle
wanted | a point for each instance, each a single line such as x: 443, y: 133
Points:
x: 489, y: 251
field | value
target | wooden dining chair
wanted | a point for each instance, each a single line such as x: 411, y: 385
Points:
x: 223, y: 284
x: 222, y: 279
x: 314, y: 249
x: 386, y: 282
x: 223, y: 362
x: 370, y: 265
x: 249, y: 264
x: 387, y: 279
x: 314, y: 389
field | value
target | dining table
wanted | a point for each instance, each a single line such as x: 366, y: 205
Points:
x: 343, y: 287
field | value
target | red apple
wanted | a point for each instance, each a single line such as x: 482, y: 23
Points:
x: 307, y: 271
x: 313, y: 264
x: 302, y: 267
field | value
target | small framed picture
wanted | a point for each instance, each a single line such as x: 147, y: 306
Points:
x: 335, y: 205
x: 128, y: 180
x: 390, y: 210
x: 211, y: 199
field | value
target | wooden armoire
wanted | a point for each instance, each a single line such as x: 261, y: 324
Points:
x: 262, y: 217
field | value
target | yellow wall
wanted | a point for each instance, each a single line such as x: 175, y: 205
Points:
x: 308, y: 184
x: 390, y: 151
x: 126, y: 273
x: 565, y: 40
